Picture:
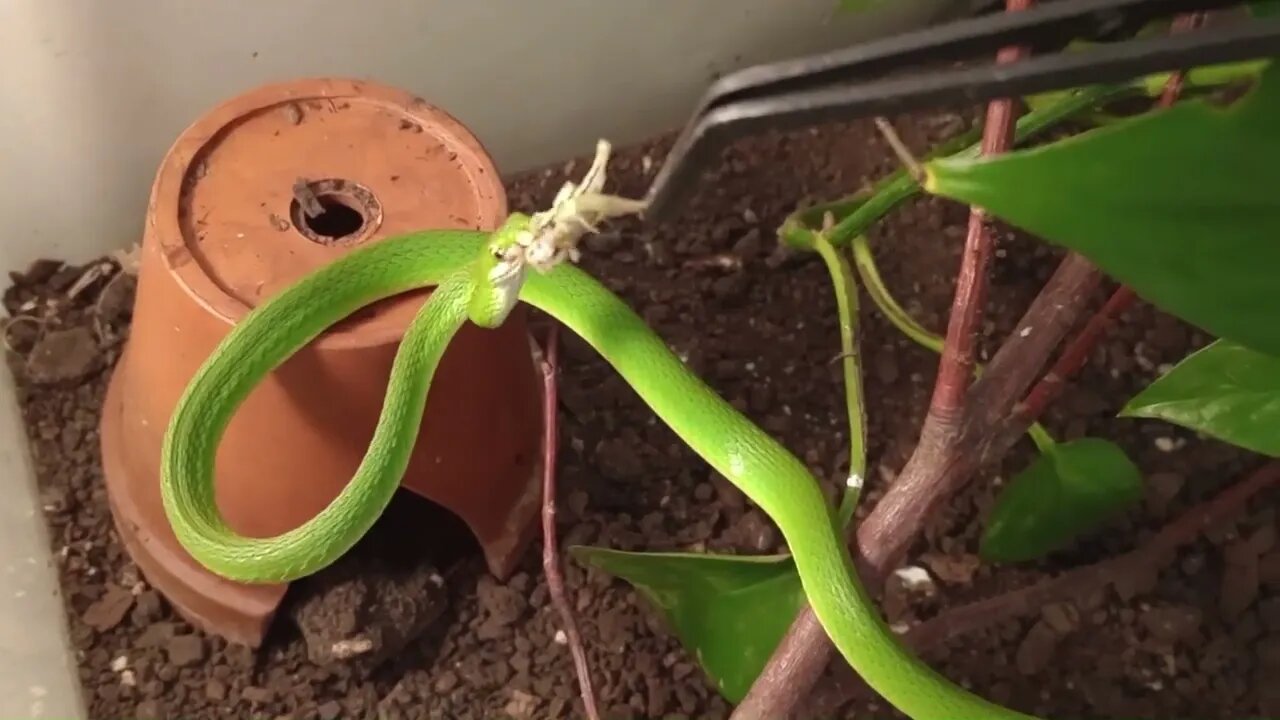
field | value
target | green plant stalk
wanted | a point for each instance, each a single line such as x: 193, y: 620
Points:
x: 865, y: 262
x: 856, y: 213
x: 1207, y: 77
x: 904, y: 186
x: 1204, y: 78
x: 846, y: 290
x: 1041, y: 437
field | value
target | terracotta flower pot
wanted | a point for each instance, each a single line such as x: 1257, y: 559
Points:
x: 224, y: 231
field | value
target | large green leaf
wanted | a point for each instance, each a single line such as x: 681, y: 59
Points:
x: 1265, y: 8
x: 1072, y: 488
x: 1225, y: 391
x: 730, y: 612
x: 1180, y: 204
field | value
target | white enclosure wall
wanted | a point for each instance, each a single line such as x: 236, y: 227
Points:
x: 94, y: 92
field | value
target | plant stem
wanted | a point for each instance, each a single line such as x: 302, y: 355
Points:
x: 956, y: 366
x: 909, y: 161
x: 805, y: 650
x: 1041, y: 437
x: 846, y: 290
x: 1081, y: 346
x: 886, y: 534
x: 865, y: 262
x: 1072, y: 358
x: 550, y: 547
x: 856, y: 213
x: 1144, y: 561
x: 944, y: 460
x: 897, y: 315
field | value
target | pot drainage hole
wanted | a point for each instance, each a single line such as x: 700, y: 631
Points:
x: 334, y: 211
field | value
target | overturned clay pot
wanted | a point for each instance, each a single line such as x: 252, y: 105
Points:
x: 226, y: 229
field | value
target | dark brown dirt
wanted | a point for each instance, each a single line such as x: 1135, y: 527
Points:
x: 1196, y: 640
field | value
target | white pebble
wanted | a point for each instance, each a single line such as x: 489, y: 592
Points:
x: 120, y: 663
x: 351, y: 647
x: 561, y: 638
x: 914, y: 578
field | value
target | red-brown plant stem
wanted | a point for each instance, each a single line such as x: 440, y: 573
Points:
x: 1077, y: 352
x: 1173, y: 87
x: 930, y: 477
x: 947, y: 456
x: 955, y: 368
x: 805, y: 650
x: 1153, y: 555
x: 1073, y: 357
x: 550, y: 547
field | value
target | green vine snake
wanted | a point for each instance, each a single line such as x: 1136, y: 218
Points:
x: 479, y: 277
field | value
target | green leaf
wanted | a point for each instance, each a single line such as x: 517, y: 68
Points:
x: 1226, y: 391
x: 730, y: 612
x: 1180, y: 204
x: 1264, y: 8
x: 1069, y: 490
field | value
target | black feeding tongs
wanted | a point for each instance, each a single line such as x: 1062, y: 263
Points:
x: 866, y: 79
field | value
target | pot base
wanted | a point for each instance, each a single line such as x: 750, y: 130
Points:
x: 263, y: 190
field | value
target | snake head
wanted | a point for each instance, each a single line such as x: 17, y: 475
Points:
x: 541, y: 241
x: 499, y: 272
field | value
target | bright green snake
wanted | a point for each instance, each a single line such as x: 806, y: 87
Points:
x: 460, y: 265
